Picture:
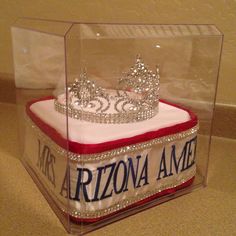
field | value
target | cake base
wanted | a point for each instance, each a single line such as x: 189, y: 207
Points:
x: 93, y: 181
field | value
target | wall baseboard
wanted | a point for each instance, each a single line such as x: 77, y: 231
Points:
x: 7, y: 89
x: 224, y: 123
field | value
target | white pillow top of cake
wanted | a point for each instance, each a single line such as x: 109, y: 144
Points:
x: 93, y: 133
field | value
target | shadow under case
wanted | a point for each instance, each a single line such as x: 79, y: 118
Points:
x: 114, y: 118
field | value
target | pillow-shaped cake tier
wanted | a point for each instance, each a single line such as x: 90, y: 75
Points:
x: 108, y: 168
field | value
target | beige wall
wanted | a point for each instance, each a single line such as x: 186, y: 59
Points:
x: 219, y: 12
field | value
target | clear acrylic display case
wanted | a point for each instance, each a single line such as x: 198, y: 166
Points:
x: 103, y: 141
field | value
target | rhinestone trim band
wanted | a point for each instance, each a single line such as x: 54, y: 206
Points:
x: 119, y: 118
x: 88, y: 158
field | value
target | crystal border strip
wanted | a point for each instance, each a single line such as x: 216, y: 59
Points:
x: 119, y: 118
x: 88, y: 158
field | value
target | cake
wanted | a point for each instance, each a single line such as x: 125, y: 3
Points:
x: 95, y: 165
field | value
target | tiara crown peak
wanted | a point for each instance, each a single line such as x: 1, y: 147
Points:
x: 136, y: 100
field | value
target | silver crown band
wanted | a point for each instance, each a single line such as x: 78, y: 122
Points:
x: 136, y: 100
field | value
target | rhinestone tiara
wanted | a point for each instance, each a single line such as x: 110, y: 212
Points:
x: 135, y: 99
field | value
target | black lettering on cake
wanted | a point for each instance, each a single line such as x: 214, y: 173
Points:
x: 114, y: 177
x: 121, y: 165
x: 108, y: 181
x: 134, y: 173
x: 81, y: 184
x: 96, y: 194
x: 177, y: 164
x: 46, y: 161
x: 65, y: 187
x: 162, y: 168
x: 118, y: 177
x: 144, y: 174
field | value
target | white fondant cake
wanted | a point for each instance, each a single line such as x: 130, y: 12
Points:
x: 111, y: 167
